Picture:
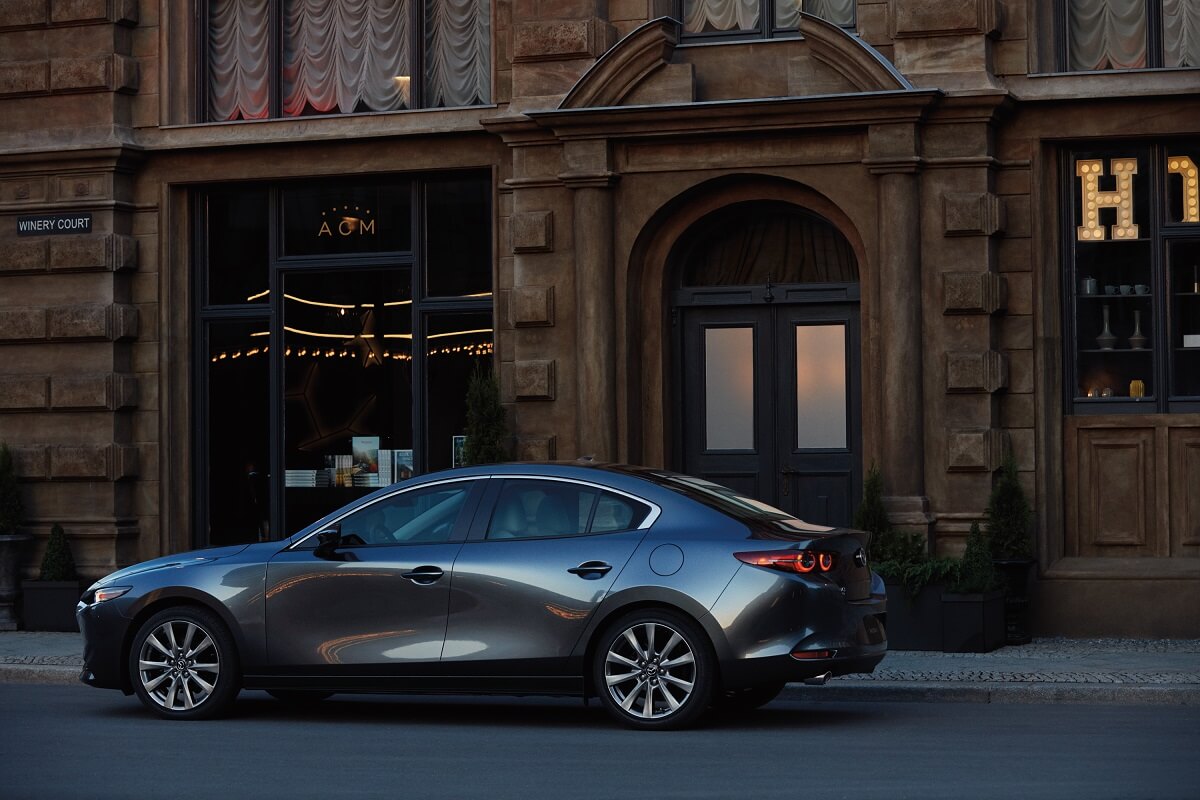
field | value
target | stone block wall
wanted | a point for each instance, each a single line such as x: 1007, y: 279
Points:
x: 70, y: 388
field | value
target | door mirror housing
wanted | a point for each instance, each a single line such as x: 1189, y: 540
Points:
x: 328, y: 541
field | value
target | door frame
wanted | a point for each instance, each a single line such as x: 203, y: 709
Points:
x: 807, y: 295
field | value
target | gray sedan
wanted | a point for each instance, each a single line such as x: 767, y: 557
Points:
x: 660, y: 594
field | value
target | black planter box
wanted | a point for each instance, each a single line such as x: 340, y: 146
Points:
x: 49, y: 605
x: 972, y: 623
x: 914, y: 623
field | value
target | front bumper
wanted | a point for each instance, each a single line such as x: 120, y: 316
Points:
x: 104, y: 629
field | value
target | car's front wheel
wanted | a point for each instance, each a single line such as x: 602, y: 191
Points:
x: 183, y: 664
x: 654, y: 670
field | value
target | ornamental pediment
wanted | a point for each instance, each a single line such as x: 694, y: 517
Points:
x: 650, y: 67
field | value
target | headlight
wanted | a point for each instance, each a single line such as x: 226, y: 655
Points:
x: 105, y: 593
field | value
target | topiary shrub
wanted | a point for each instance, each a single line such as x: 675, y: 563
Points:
x: 871, y: 515
x: 57, y: 563
x: 487, y: 430
x: 11, y: 510
x: 975, y: 574
x: 1009, y: 515
x: 901, y: 556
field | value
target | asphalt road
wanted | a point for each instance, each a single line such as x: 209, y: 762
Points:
x: 78, y: 742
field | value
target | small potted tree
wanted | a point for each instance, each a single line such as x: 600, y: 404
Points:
x: 973, y: 604
x: 49, y: 602
x: 12, y: 541
x: 913, y: 578
x: 1009, y: 519
x: 487, y: 431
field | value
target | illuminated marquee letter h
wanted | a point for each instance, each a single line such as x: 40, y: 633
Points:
x: 1094, y: 198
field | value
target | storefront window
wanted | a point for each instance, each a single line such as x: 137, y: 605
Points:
x: 273, y: 58
x: 745, y: 19
x: 337, y: 375
x: 1133, y: 291
x: 1131, y: 34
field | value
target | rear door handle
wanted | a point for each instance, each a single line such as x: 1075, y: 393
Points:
x: 424, y: 575
x: 589, y: 568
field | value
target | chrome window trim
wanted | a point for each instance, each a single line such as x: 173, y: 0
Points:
x: 381, y: 498
x: 655, y: 510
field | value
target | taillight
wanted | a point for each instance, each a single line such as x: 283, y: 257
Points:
x: 800, y: 561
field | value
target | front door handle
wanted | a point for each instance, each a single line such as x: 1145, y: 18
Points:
x: 424, y: 576
x: 590, y: 569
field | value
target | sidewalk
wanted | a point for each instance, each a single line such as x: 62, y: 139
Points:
x: 1103, y: 671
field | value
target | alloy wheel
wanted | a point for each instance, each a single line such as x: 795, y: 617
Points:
x: 179, y: 665
x: 650, y: 670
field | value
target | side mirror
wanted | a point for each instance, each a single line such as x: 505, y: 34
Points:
x: 328, y: 541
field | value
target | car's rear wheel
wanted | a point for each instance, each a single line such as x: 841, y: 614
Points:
x: 299, y: 696
x: 183, y: 664
x: 748, y: 699
x: 654, y: 670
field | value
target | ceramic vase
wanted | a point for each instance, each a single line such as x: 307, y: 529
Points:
x: 1137, y: 340
x: 1106, y: 339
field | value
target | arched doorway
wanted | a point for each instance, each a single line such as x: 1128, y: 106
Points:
x: 765, y: 312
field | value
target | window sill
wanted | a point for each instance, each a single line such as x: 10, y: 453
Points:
x: 1107, y: 84
x: 341, y: 127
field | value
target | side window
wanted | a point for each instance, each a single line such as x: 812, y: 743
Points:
x: 418, y: 516
x: 528, y: 509
x: 616, y: 513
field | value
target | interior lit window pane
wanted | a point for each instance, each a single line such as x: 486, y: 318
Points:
x: 455, y: 346
x: 237, y: 235
x: 239, y: 464
x: 347, y: 387
x: 729, y: 388
x: 458, y: 237
x: 820, y: 386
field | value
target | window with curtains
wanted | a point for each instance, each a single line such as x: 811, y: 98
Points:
x: 288, y: 58
x: 757, y: 19
x: 1131, y: 34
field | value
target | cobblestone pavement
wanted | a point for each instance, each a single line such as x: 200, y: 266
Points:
x: 1051, y: 660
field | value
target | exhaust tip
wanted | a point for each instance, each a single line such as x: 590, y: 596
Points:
x: 819, y: 680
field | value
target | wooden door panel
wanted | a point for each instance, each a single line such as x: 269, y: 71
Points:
x: 1184, y: 445
x: 1117, y: 495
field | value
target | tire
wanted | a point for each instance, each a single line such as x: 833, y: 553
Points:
x: 654, y: 670
x: 299, y: 696
x: 183, y: 664
x: 748, y: 699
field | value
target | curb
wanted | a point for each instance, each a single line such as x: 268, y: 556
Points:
x: 39, y: 673
x: 999, y: 693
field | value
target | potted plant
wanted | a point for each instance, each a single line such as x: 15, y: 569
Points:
x: 913, y: 578
x: 12, y: 541
x: 973, y: 603
x: 48, y: 603
x: 1009, y: 519
x: 487, y: 431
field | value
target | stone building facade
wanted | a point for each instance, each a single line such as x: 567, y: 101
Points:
x: 771, y: 257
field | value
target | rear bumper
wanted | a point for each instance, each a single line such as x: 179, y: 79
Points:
x: 796, y: 615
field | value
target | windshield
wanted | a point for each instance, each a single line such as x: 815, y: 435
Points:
x: 727, y: 501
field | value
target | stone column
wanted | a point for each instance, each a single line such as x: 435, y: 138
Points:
x: 595, y: 301
x: 894, y: 158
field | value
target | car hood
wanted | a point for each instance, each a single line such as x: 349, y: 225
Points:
x: 176, y: 560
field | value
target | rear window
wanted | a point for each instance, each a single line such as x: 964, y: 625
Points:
x: 729, y: 502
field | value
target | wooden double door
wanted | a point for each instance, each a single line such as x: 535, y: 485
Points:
x: 770, y: 398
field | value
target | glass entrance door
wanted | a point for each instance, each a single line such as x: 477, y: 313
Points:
x: 770, y: 403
